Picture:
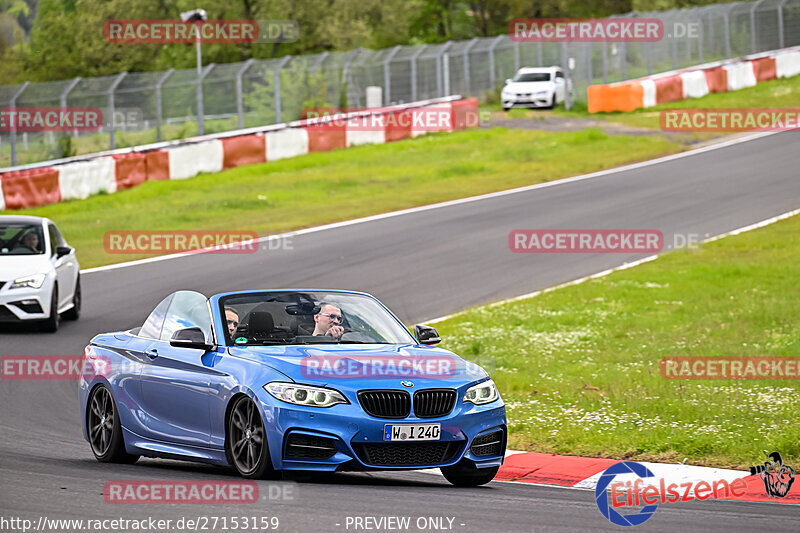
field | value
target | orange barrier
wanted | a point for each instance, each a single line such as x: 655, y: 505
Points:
x: 765, y: 69
x: 130, y: 170
x: 326, y: 137
x: 717, y: 79
x: 398, y: 126
x: 623, y: 96
x: 669, y: 89
x: 243, y: 150
x: 157, y: 165
x: 465, y: 113
x: 31, y: 188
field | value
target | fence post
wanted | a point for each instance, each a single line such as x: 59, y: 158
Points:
x: 516, y: 56
x: 780, y: 24
x: 201, y: 114
x: 414, y: 72
x: 65, y: 92
x: 727, y: 35
x: 753, y: 41
x: 112, y: 141
x: 12, y: 105
x: 648, y: 52
x: 589, y: 66
x: 276, y: 81
x: 624, y: 56
x: 467, y: 48
x: 492, y: 73
x: 539, y: 53
x: 159, y: 107
x: 605, y: 62
x: 240, y: 92
x: 387, y: 76
x: 700, y: 42
x: 439, y: 71
x: 446, y: 67
x: 346, y: 72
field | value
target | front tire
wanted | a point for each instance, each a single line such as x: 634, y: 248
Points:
x: 466, y: 475
x: 50, y: 325
x: 75, y: 312
x: 246, y: 445
x: 105, y: 431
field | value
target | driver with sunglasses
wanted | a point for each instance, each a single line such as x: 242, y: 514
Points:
x: 328, y: 321
x: 232, y: 320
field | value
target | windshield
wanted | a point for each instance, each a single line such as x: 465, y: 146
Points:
x: 21, y: 239
x: 532, y: 76
x: 309, y: 318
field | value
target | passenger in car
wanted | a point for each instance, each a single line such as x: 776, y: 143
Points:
x: 232, y: 318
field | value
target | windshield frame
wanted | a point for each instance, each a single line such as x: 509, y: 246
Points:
x: 219, y: 301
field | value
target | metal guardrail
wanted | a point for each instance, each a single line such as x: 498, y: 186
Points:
x: 256, y: 92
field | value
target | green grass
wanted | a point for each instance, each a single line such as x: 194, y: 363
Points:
x: 578, y: 367
x: 326, y: 187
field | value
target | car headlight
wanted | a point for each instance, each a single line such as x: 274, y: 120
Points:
x: 482, y: 393
x: 34, y: 282
x: 305, y: 394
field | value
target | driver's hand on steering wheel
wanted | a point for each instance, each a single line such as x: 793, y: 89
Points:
x: 335, y: 332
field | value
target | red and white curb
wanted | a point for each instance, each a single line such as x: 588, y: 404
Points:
x: 582, y: 473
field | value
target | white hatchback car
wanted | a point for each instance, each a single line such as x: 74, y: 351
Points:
x: 535, y: 87
x: 39, y: 274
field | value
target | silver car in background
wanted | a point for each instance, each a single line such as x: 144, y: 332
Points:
x: 39, y: 273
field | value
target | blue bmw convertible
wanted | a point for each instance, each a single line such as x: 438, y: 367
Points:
x: 277, y: 380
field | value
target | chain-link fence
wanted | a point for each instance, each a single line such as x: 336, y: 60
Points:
x: 146, y: 107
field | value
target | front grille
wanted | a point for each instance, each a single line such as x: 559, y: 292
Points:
x: 385, y: 403
x: 407, y: 453
x: 6, y: 315
x: 300, y: 446
x: 489, y: 444
x: 434, y: 402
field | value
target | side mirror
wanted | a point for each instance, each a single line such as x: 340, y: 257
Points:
x: 508, y: 80
x: 426, y: 334
x: 61, y: 251
x: 190, y: 338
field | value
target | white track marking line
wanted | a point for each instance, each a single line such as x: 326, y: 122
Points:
x: 449, y: 203
x: 623, y: 266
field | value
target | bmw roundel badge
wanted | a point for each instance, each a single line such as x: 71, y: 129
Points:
x: 406, y: 384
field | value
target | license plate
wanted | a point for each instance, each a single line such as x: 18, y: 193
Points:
x: 411, y: 431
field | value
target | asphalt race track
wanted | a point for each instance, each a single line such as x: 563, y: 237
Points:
x: 422, y: 265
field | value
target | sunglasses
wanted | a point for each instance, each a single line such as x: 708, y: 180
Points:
x: 337, y: 318
x: 233, y: 323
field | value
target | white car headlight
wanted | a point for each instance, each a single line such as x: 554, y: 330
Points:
x: 482, y: 393
x: 34, y: 282
x: 305, y: 394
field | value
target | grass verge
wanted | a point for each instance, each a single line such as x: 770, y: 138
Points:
x: 579, y: 367
x: 327, y: 187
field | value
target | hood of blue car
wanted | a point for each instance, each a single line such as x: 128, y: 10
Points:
x: 359, y: 366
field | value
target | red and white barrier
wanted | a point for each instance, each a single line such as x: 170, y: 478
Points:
x: 788, y: 65
x: 109, y: 172
x: 740, y: 75
x: 694, y: 82
x: 86, y: 178
x: 192, y: 159
x: 290, y: 142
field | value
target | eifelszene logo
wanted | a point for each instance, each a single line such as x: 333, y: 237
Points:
x: 777, y: 477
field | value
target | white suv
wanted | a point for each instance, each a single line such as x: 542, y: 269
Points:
x: 535, y: 87
x: 39, y: 274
